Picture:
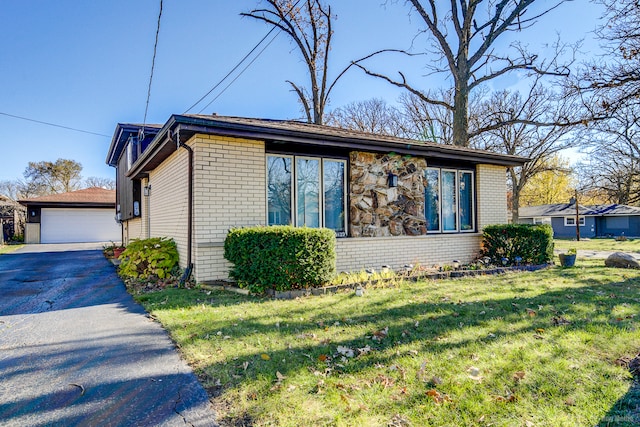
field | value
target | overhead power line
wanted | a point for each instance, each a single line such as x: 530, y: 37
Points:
x: 238, y: 65
x: 153, y: 65
x: 232, y: 70
x: 239, y: 74
x: 54, y: 125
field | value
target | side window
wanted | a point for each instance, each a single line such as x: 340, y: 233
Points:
x: 306, y: 191
x: 449, y: 200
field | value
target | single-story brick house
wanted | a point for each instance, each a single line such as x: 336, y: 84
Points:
x: 81, y: 216
x: 391, y: 201
x: 594, y: 220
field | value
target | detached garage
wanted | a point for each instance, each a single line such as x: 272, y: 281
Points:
x: 76, y: 217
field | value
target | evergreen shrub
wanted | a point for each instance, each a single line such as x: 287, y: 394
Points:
x: 280, y: 258
x: 532, y: 243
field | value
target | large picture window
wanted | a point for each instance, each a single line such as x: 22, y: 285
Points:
x: 312, y: 188
x: 449, y: 200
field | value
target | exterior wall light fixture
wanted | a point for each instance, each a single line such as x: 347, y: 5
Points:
x: 393, y: 180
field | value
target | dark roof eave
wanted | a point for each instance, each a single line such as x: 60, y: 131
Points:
x: 66, y: 204
x: 188, y: 126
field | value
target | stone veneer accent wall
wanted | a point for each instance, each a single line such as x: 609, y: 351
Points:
x: 377, y: 210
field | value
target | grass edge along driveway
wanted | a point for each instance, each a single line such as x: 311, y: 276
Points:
x: 526, y: 349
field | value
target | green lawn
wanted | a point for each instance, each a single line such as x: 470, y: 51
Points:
x: 5, y: 249
x: 524, y: 349
x: 630, y: 245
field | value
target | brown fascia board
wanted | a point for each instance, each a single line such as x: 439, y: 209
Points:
x: 67, y: 205
x: 164, y: 144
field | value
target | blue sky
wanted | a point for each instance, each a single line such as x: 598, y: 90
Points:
x: 86, y: 65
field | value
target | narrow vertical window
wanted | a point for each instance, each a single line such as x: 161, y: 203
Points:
x: 432, y: 199
x: 308, y: 192
x: 465, y: 183
x: 449, y: 201
x: 279, y: 190
x: 334, y: 197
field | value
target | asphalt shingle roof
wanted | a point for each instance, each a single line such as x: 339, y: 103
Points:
x: 87, y: 195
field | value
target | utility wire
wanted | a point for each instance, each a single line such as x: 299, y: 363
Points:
x: 153, y: 65
x: 230, y: 72
x: 238, y: 65
x: 54, y: 125
x: 239, y: 74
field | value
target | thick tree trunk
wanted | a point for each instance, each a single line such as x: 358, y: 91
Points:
x: 515, y: 197
x: 461, y: 110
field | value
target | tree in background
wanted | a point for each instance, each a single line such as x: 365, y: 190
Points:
x: 309, y: 27
x: 96, y: 181
x: 464, y: 45
x: 613, y: 81
x: 46, y: 177
x: 373, y: 115
x: 554, y: 185
x: 530, y: 129
x: 612, y: 146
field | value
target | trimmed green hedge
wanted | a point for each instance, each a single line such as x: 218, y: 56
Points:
x: 533, y: 243
x: 145, y: 258
x: 280, y: 257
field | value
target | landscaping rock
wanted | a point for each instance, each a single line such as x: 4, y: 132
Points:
x: 621, y: 260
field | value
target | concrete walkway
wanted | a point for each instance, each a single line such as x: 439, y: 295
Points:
x: 75, y: 349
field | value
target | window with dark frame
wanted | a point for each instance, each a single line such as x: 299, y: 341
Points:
x: 449, y: 200
x: 306, y: 191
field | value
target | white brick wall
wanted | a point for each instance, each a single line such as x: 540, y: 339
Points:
x: 168, y: 201
x: 230, y: 191
x: 491, y: 182
x: 358, y: 253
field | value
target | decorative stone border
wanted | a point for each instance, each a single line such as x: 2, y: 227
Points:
x: 228, y: 285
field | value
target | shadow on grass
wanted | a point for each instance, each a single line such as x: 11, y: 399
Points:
x: 585, y: 306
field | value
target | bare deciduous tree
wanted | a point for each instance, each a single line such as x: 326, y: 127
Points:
x: 522, y: 135
x: 309, y: 27
x: 372, y: 115
x: 96, y: 181
x: 614, y: 81
x: 613, y: 152
x: 464, y: 35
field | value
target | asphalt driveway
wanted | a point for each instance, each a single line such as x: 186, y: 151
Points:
x: 75, y: 349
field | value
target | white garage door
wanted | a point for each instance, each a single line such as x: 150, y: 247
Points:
x: 78, y: 225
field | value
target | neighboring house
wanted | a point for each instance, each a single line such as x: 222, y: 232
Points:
x: 391, y: 201
x: 78, y: 216
x: 594, y: 220
x: 12, y: 217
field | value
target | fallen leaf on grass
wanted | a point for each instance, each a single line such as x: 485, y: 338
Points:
x: 540, y: 330
x: 531, y: 313
x: 384, y: 381
x: 538, y: 337
x: 438, y: 397
x: 279, y: 376
x: 265, y: 356
x: 399, y: 421
x: 508, y: 399
x: 322, y: 358
x: 379, y: 335
x: 519, y: 376
x: 570, y: 401
x: 345, y: 351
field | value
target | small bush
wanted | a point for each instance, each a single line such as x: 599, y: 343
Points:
x: 157, y: 256
x: 533, y: 243
x: 280, y: 257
